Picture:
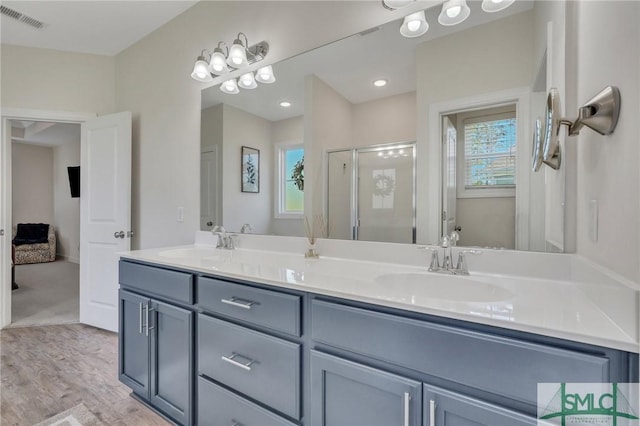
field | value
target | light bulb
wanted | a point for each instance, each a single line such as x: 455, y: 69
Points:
x: 454, y: 11
x: 285, y: 104
x: 201, y: 71
x: 413, y: 25
x: 380, y: 83
x: 265, y: 75
x: 247, y: 81
x: 496, y: 1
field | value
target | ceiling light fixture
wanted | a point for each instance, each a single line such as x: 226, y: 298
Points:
x: 285, y: 104
x: 414, y: 25
x: 496, y: 5
x: 239, y: 56
x: 380, y: 83
x: 453, y: 12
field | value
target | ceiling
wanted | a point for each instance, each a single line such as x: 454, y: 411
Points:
x: 102, y: 27
x: 44, y: 133
x: 350, y: 66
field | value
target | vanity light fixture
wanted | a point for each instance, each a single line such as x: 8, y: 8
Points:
x: 396, y: 4
x: 247, y: 81
x: 265, y: 75
x: 239, y: 56
x: 453, y: 12
x: 496, y: 5
x: 414, y: 25
x: 285, y: 104
x: 380, y: 83
x: 230, y: 87
x: 201, y: 69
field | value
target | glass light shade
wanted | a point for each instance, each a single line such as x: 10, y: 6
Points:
x: 454, y: 12
x: 496, y: 5
x: 397, y: 4
x: 230, y: 87
x: 246, y: 81
x: 414, y: 25
x: 201, y: 70
x: 218, y: 63
x: 237, y: 55
x: 265, y: 75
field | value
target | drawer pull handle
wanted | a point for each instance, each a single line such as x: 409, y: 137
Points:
x: 432, y: 413
x: 232, y: 360
x: 240, y: 303
x: 407, y: 399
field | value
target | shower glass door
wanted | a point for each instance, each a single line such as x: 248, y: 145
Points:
x: 371, y: 193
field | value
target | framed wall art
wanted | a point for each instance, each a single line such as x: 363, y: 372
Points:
x: 250, y: 169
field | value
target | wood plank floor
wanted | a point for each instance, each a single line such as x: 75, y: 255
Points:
x: 48, y: 369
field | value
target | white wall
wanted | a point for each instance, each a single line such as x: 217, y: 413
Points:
x: 32, y: 194
x: 56, y: 81
x: 387, y: 120
x: 243, y: 129
x: 66, y: 210
x: 489, y: 58
x: 323, y: 105
x: 607, y: 166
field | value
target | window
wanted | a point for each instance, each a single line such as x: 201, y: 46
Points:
x: 488, y: 164
x: 290, y: 183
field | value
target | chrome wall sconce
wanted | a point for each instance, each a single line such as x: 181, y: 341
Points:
x: 224, y: 60
x: 600, y: 114
x: 453, y: 13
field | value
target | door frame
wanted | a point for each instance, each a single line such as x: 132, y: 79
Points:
x: 7, y: 115
x: 432, y: 203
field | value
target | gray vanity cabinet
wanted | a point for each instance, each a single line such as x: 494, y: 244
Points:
x: 156, y: 339
x: 445, y: 408
x: 134, y: 348
x: 348, y: 393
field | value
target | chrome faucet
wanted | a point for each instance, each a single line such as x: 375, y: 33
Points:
x: 224, y: 240
x: 246, y: 228
x: 446, y: 267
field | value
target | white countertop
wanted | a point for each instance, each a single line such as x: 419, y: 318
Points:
x: 552, y: 307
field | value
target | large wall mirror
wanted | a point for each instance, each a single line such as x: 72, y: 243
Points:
x: 454, y: 121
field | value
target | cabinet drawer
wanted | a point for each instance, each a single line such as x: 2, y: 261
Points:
x: 157, y: 281
x: 503, y: 366
x: 260, y: 366
x: 218, y: 406
x: 266, y: 308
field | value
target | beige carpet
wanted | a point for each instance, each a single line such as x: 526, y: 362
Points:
x: 75, y: 416
x: 48, y: 294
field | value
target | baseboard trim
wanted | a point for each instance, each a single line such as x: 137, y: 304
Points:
x: 68, y: 258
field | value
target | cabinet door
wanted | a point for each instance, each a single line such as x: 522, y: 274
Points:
x: 446, y: 408
x: 133, y: 353
x: 347, y: 393
x: 171, y: 360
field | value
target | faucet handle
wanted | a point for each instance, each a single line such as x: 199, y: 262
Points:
x: 435, y: 261
x: 461, y: 267
x: 230, y: 243
x: 445, y: 242
x: 454, y: 237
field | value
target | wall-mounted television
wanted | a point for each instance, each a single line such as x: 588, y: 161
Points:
x: 74, y: 180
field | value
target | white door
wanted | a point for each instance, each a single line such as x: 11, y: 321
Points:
x: 105, y: 215
x: 449, y: 176
x: 208, y: 190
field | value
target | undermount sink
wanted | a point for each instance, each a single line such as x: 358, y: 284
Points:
x: 204, y: 253
x: 445, y: 287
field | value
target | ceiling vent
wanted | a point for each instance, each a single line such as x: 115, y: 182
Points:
x: 21, y: 17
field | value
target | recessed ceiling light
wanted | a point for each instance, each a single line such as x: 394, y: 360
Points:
x: 380, y: 83
x: 285, y: 104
